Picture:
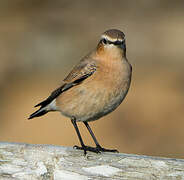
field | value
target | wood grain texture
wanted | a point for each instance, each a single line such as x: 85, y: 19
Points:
x: 26, y: 161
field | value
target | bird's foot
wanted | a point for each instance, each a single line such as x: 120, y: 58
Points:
x: 101, y: 149
x: 87, y: 148
x: 97, y: 149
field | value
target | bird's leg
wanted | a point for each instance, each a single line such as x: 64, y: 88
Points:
x: 73, y: 120
x: 98, y: 147
x: 83, y: 147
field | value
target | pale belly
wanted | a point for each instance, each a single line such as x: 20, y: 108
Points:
x: 90, y: 101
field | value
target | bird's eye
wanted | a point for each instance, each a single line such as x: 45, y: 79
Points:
x: 104, y: 41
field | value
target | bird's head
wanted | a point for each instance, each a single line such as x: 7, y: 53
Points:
x: 112, y: 41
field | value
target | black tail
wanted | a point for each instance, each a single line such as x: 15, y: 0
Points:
x: 38, y: 113
x: 46, y: 102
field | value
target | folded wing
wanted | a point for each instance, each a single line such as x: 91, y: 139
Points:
x: 78, y: 74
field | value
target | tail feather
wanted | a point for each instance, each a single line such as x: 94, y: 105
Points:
x: 46, y: 106
x: 42, y: 104
x: 38, y: 113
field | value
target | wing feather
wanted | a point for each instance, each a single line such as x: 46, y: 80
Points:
x: 79, y: 73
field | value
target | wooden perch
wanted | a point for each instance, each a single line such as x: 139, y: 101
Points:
x: 45, y: 162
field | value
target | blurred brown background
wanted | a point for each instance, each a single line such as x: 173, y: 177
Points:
x: 41, y: 40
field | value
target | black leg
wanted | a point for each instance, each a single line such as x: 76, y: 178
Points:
x: 83, y: 147
x: 78, y: 134
x: 98, y: 147
x: 92, y: 134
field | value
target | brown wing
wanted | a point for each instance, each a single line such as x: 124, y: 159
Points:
x: 80, y: 72
x: 85, y: 67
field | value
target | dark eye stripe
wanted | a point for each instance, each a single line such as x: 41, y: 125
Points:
x: 117, y: 42
x: 105, y: 41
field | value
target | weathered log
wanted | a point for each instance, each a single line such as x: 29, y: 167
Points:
x: 26, y: 161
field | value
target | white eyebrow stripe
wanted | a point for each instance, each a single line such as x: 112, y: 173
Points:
x: 111, y: 39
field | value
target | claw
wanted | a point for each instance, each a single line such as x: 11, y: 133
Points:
x: 87, y: 148
x: 97, y: 149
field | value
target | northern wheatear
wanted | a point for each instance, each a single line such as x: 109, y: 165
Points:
x: 95, y: 87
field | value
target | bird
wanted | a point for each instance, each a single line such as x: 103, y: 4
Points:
x: 95, y: 87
